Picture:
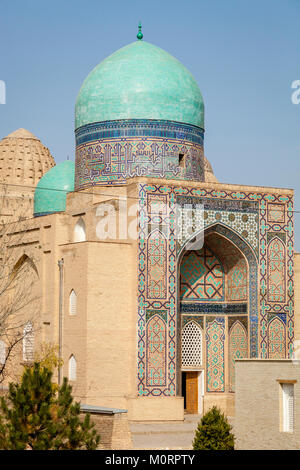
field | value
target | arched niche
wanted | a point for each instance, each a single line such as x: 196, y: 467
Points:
x: 80, y: 231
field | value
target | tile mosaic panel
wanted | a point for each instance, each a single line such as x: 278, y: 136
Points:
x: 215, y: 354
x: 263, y: 223
x: 238, y: 346
x: 202, y: 276
x: 276, y: 338
x: 113, y: 151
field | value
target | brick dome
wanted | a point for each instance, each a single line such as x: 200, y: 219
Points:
x: 209, y: 176
x: 23, y: 159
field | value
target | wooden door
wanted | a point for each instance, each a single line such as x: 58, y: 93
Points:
x: 192, y: 392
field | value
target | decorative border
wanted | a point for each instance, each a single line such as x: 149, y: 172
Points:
x: 221, y: 344
x: 259, y: 308
x: 217, y: 309
x: 195, y: 318
x: 139, y: 128
x: 110, y: 152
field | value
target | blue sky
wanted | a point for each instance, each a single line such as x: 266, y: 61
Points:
x: 244, y: 55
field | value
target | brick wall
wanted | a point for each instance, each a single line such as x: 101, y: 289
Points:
x: 258, y: 404
x: 113, y: 429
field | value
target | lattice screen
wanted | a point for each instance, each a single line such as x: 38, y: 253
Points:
x: 191, y: 345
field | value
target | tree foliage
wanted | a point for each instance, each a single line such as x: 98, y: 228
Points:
x: 36, y: 416
x: 213, y: 432
x: 47, y: 356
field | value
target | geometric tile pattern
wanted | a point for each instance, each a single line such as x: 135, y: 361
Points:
x: 156, y: 351
x: 276, y: 339
x: 240, y: 217
x: 113, y: 151
x: 213, y: 308
x: 202, y: 276
x: 191, y: 345
x: 237, y: 280
x: 156, y: 265
x: 276, y: 212
x: 238, y: 349
x: 215, y: 337
x: 234, y: 265
x: 276, y: 271
x: 265, y: 221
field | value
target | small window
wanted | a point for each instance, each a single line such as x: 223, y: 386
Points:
x: 287, y: 407
x: 181, y: 160
x: 79, y: 231
x: 2, y: 352
x: 73, y: 303
x: 28, y: 342
x: 72, y: 368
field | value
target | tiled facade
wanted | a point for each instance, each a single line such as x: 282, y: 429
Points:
x: 113, y: 151
x: 255, y: 227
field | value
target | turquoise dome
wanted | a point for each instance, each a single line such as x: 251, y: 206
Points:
x: 51, y: 190
x: 140, y: 81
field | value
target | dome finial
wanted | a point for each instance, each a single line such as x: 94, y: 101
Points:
x: 140, y: 34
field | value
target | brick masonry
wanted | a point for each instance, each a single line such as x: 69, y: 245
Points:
x: 113, y: 429
x: 258, y: 401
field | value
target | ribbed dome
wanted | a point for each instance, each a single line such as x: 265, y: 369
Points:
x: 209, y: 175
x: 23, y: 159
x: 51, y: 191
x: 140, y: 81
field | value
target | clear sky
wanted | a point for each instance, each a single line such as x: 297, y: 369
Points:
x: 244, y: 55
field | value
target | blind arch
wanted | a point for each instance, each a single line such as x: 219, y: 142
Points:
x: 73, y: 303
x: 28, y: 342
x: 72, y: 368
x: 80, y: 231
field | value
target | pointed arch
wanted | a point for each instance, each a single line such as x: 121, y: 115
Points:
x: 23, y: 263
x: 80, y: 231
x: 252, y: 262
x: 72, y: 368
x: 238, y: 349
x: 195, y: 241
x: 276, y: 339
x: 191, y: 345
x: 73, y: 303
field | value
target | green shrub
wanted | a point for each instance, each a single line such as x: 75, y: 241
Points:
x: 213, y: 432
x: 35, y: 415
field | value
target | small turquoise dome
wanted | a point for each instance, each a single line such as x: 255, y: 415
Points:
x: 51, y: 190
x: 140, y: 81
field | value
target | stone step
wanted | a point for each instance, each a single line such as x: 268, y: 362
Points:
x: 161, y: 435
x: 163, y: 428
x: 165, y: 435
x: 163, y: 441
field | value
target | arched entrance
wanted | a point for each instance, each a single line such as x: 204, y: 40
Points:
x: 217, y: 295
